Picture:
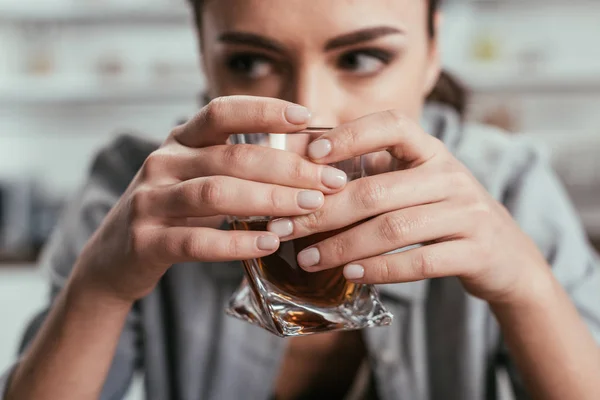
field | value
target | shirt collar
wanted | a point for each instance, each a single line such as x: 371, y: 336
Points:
x: 442, y: 122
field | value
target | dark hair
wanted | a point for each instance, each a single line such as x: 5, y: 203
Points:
x: 448, y: 90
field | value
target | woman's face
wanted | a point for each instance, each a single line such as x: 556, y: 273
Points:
x: 342, y: 59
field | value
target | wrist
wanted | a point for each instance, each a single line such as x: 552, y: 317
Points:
x: 536, y: 289
x: 86, y: 291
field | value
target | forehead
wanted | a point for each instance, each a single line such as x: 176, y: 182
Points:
x: 309, y: 20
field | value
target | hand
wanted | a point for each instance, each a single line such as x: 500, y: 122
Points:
x: 171, y: 209
x: 426, y: 198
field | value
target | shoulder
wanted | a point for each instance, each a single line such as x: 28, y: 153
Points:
x: 499, y: 159
x: 493, y: 155
x: 495, y: 141
x: 110, y: 173
x: 116, y: 164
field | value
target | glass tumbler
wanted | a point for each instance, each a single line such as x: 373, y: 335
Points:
x: 281, y: 297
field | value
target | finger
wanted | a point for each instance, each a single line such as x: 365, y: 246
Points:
x: 379, y: 163
x: 241, y: 114
x: 210, y: 222
x: 260, y: 164
x: 365, y: 198
x: 215, y: 221
x: 432, y: 261
x: 224, y: 195
x: 387, y: 130
x: 183, y: 244
x: 385, y: 233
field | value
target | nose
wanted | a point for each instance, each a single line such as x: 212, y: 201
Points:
x: 317, y: 90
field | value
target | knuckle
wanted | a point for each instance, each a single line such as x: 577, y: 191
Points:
x: 297, y: 170
x: 459, y: 180
x: 155, y: 164
x: 193, y: 246
x: 214, y: 110
x: 137, y: 239
x: 338, y: 248
x: 277, y: 198
x: 177, y: 131
x: 424, y: 265
x: 348, y: 138
x: 481, y: 210
x: 447, y: 165
x: 398, y: 119
x: 394, y: 227
x: 369, y: 194
x: 237, y: 156
x: 211, y: 191
x: 262, y: 112
x: 438, y: 146
x: 383, y: 271
x: 139, y: 202
x: 188, y: 246
x: 309, y: 222
x: 234, y: 246
x: 449, y: 172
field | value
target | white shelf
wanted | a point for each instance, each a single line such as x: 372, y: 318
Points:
x: 494, y: 81
x: 25, y: 12
x: 32, y: 92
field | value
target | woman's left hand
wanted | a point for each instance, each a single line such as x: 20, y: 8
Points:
x: 430, y: 199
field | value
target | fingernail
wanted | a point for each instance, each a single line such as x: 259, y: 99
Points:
x: 297, y: 115
x: 319, y: 149
x: 353, y: 272
x: 333, y: 178
x: 310, y: 199
x: 281, y: 227
x: 267, y: 243
x: 309, y: 257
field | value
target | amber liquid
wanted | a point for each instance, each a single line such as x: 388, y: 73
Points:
x: 326, y: 288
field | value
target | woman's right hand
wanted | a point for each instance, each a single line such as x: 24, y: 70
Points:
x: 170, y: 211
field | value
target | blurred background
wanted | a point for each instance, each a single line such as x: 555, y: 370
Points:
x: 74, y: 73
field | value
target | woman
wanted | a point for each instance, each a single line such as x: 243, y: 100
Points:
x: 506, y: 275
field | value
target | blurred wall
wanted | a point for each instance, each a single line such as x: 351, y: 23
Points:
x: 74, y: 73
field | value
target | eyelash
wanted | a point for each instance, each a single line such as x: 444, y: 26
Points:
x: 382, y: 55
x: 234, y: 60
x: 244, y: 57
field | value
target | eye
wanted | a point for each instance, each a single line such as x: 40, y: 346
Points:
x: 364, y: 62
x: 251, y: 66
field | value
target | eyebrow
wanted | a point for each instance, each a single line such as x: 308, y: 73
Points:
x: 250, y: 39
x: 363, y: 35
x: 348, y: 39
